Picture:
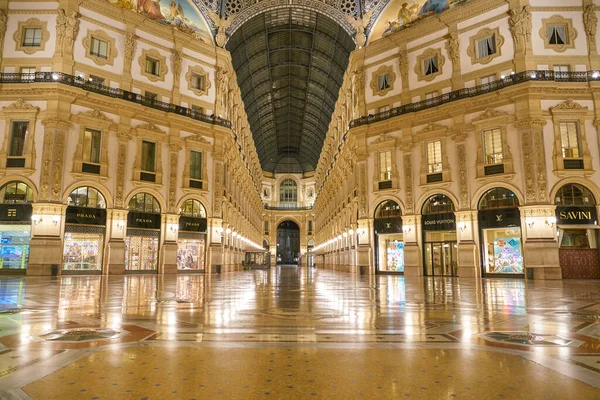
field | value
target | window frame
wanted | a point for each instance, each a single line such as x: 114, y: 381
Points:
x: 494, y: 155
x: 19, y: 35
x: 558, y: 21
x: 111, y: 47
x: 436, y: 166
x: 384, y: 176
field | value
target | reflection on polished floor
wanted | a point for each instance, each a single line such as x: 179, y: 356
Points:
x: 297, y: 333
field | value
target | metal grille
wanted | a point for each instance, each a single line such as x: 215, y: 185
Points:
x: 143, y: 232
x: 431, y: 178
x: 90, y: 168
x: 15, y: 162
x: 493, y: 169
x: 84, y: 229
x: 573, y: 164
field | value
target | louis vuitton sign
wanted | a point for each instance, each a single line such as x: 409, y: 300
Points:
x: 439, y: 222
x: 388, y: 225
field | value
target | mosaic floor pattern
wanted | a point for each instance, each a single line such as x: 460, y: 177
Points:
x: 289, y: 333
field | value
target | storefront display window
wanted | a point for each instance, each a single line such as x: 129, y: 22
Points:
x: 391, y: 253
x: 83, y: 251
x: 141, y: 253
x: 190, y: 254
x: 503, y: 253
x: 14, y: 246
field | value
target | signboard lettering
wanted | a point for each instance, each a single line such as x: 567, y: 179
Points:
x: 576, y: 215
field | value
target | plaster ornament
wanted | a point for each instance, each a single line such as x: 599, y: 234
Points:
x: 359, y: 24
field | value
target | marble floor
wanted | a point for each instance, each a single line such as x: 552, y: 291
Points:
x: 290, y: 333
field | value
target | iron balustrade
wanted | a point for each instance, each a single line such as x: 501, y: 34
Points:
x: 285, y: 207
x: 95, y: 87
x: 465, y: 93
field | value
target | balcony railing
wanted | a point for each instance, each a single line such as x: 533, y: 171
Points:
x: 90, y: 86
x: 286, y: 206
x: 507, y: 81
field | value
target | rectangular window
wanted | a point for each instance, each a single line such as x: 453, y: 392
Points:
x: 92, y: 140
x: 96, y: 80
x: 150, y: 96
x: 266, y: 227
x: 310, y: 228
x: 198, y: 81
x: 561, y: 68
x: 431, y: 95
x: 434, y: 157
x: 32, y: 37
x: 196, y: 165
x: 569, y: 138
x: 488, y: 79
x: 197, y: 109
x: 385, y: 165
x: 99, y: 48
x: 557, y: 34
x: 383, y: 109
x: 486, y: 47
x: 28, y: 70
x: 430, y: 65
x: 492, y: 143
x: 383, y: 81
x: 152, y: 66
x: 148, y: 156
x: 17, y: 138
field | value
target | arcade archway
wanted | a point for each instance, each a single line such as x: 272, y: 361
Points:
x: 288, y: 243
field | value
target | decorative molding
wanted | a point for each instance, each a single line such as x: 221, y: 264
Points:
x: 420, y: 66
x: 31, y: 23
x: 568, y: 104
x: 162, y: 60
x: 151, y: 127
x: 20, y: 104
x: 558, y: 20
x: 111, y: 51
x: 197, y: 70
x: 481, y: 35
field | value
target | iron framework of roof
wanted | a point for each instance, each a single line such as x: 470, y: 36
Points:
x: 290, y: 63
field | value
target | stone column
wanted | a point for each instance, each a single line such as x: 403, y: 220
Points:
x: 412, y: 251
x: 169, y: 247
x: 117, y: 228
x: 215, y: 247
x: 46, y: 244
x: 363, y: 252
x: 540, y: 247
x: 466, y: 233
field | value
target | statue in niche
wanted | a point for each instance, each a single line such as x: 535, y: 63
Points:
x: 590, y: 21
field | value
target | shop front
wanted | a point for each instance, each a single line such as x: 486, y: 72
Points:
x: 389, y: 239
x: 15, y: 226
x: 500, y: 233
x: 143, y: 235
x: 191, y: 242
x: 438, y: 223
x: 578, y: 232
x: 85, y: 231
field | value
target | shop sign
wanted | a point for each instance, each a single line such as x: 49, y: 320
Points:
x: 190, y: 224
x: 388, y: 225
x: 499, y: 218
x: 439, y: 222
x: 143, y: 220
x: 15, y: 212
x: 576, y: 215
x: 85, y: 216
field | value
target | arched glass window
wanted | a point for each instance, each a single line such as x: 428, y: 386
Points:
x: 388, y: 209
x: 86, y: 196
x: 144, y: 202
x: 498, y: 197
x: 438, y: 204
x: 573, y: 194
x: 288, y: 191
x: 193, y: 208
x: 16, y: 192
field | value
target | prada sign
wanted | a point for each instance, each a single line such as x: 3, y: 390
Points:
x: 15, y: 212
x: 574, y: 215
x: 439, y: 222
x: 85, y: 216
x: 190, y: 224
x: 499, y: 218
x: 388, y: 225
x: 143, y: 220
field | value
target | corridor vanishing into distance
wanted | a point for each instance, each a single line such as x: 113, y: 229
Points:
x: 297, y: 333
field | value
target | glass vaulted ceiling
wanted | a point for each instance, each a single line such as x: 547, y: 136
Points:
x: 290, y: 65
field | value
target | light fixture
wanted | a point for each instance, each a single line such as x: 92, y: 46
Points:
x: 595, y: 75
x: 55, y: 76
x: 345, y: 234
x: 406, y: 228
x: 462, y: 226
x: 233, y: 234
x: 533, y: 75
x: 120, y: 225
x: 56, y: 220
x: 502, y: 76
x: 550, y: 221
x: 228, y: 231
x: 339, y: 237
x: 351, y: 231
x: 530, y: 221
x: 36, y: 219
x: 173, y: 227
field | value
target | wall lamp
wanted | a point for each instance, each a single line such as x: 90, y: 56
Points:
x: 462, y: 226
x: 550, y: 221
x: 36, y: 219
x: 120, y: 225
x: 173, y: 228
x: 530, y: 221
x: 55, y: 220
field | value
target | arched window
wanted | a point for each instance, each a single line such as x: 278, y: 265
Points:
x: 438, y: 204
x: 573, y: 194
x: 86, y: 196
x: 498, y: 197
x: 16, y: 192
x: 288, y: 191
x: 193, y: 208
x: 388, y: 209
x: 144, y: 202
